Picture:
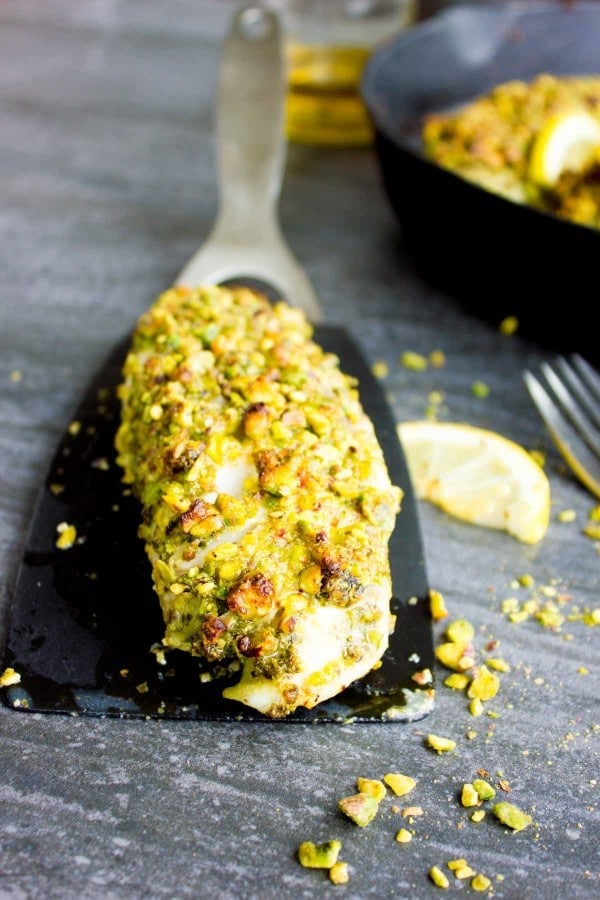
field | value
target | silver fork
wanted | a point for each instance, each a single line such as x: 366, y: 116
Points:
x: 568, y: 400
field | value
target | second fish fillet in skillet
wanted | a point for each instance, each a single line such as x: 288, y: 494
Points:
x: 267, y: 504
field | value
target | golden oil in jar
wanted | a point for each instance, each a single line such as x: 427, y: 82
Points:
x: 323, y: 104
x: 328, y: 43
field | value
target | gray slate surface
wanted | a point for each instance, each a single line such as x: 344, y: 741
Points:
x: 107, y: 186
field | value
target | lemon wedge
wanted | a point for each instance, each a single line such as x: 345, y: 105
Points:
x: 478, y: 476
x: 569, y: 141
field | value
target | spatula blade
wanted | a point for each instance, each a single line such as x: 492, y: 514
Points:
x: 83, y: 620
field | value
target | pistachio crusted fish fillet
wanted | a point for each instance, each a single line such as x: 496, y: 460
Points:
x: 267, y: 505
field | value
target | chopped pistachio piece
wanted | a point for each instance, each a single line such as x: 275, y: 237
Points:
x: 67, y: 535
x: 437, y: 359
x: 480, y: 883
x: 441, y: 744
x: 361, y: 808
x: 371, y: 786
x: 509, y: 325
x: 457, y: 681
x: 511, y: 816
x: 8, y: 677
x: 437, y: 605
x: 454, y: 864
x: 478, y: 815
x: 566, y: 515
x: 469, y: 796
x: 480, y: 389
x: 415, y: 361
x: 338, y: 873
x: 438, y: 877
x: 404, y: 836
x: 400, y: 784
x: 410, y: 811
x: 458, y: 657
x: 484, y: 790
x: 460, y: 631
x: 484, y: 686
x: 476, y: 707
x: 464, y: 872
x: 500, y: 665
x: 380, y: 368
x: 319, y: 856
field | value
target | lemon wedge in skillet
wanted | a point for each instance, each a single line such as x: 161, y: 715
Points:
x: 478, y: 476
x: 569, y: 141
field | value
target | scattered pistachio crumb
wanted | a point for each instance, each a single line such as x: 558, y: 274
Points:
x: 409, y: 811
x: 509, y: 325
x: 67, y: 535
x: 471, y: 735
x: 360, y: 808
x: 484, y: 790
x: 437, y: 359
x: 415, y: 361
x: 480, y: 389
x: 438, y: 877
x: 583, y: 671
x: 457, y: 681
x: 380, y: 368
x: 464, y: 872
x: 404, y: 836
x: 469, y: 796
x: 436, y: 398
x: 338, y: 873
x: 319, y: 856
x: 437, y: 605
x: 539, y: 456
x: 454, y: 864
x: 8, y: 677
x: 458, y: 657
x: 400, y: 784
x: 517, y: 617
x: 460, y: 631
x: 441, y: 744
x: 511, y: 816
x: 500, y: 665
x: 74, y: 428
x: 566, y: 515
x: 484, y: 685
x: 371, y: 786
x: 480, y: 883
x: 478, y: 815
x: 142, y: 688
x: 594, y: 514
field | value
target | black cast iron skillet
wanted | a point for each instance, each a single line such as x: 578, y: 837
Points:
x: 497, y: 257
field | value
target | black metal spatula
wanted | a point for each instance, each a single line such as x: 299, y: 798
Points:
x: 84, y: 619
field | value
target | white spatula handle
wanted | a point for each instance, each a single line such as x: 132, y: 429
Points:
x: 246, y: 241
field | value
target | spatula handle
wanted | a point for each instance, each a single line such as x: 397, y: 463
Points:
x: 250, y: 136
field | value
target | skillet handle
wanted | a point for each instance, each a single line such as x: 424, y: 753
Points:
x: 250, y: 120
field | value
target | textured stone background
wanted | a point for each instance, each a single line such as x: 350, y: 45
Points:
x: 107, y: 186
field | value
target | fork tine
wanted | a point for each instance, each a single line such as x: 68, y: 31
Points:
x: 580, y: 390
x: 591, y: 376
x: 574, y: 451
x: 569, y: 406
